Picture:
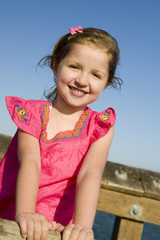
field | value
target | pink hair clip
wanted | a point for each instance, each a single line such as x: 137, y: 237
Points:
x: 76, y: 29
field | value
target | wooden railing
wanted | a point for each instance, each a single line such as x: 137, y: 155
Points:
x: 131, y: 194
x: 9, y: 230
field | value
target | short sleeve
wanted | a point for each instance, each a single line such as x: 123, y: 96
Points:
x: 103, y: 122
x: 25, y: 114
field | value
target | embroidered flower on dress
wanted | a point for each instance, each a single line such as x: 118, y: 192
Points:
x: 104, y: 117
x: 21, y: 112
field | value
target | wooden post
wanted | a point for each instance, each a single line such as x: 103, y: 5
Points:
x: 125, y: 229
x: 9, y: 230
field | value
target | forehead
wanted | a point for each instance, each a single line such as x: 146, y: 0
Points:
x: 88, y: 52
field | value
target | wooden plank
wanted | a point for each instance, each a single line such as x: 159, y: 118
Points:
x: 151, y: 183
x: 4, y: 143
x: 128, y: 206
x: 125, y: 229
x: 122, y: 178
x: 9, y: 230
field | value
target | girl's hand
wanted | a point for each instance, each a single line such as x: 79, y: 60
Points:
x: 77, y: 232
x: 35, y: 226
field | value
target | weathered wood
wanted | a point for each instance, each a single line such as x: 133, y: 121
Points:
x: 125, y: 229
x: 9, y: 230
x: 130, y: 180
x: 151, y: 183
x: 128, y: 206
x: 122, y: 178
x: 4, y: 143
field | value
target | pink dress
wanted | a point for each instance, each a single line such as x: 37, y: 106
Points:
x: 61, y: 157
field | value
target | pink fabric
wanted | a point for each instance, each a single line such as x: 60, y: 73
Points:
x: 61, y: 157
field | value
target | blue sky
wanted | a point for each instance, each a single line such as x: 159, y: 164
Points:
x: 28, y: 32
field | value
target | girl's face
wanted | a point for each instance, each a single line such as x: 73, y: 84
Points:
x: 82, y: 75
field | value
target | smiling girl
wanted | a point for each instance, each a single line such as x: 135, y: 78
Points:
x: 50, y: 176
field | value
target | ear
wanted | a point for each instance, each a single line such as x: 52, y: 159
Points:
x: 105, y: 86
x: 55, y: 72
x: 54, y: 68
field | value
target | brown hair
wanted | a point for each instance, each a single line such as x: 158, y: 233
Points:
x: 100, y: 38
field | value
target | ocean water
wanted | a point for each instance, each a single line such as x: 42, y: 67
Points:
x: 103, y: 226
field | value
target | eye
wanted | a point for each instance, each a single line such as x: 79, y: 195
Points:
x: 73, y: 66
x: 96, y: 75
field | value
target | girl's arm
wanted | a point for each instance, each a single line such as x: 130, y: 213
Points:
x: 29, y: 172
x: 88, y: 186
x: 27, y: 187
x: 33, y: 226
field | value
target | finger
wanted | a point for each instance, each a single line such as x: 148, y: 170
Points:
x: 67, y: 232
x: 59, y: 227
x: 85, y: 234
x: 45, y: 228
x: 37, y: 230
x: 44, y: 233
x: 89, y: 236
x: 82, y: 235
x: 74, y: 234
x: 23, y: 225
x: 52, y: 225
x: 56, y: 226
x: 30, y: 229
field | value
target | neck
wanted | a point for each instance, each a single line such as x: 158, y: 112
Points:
x: 65, y: 108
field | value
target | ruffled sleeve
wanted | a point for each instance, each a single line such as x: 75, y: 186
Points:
x: 25, y: 114
x: 103, y: 122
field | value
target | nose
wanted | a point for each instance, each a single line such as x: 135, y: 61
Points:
x: 82, y: 80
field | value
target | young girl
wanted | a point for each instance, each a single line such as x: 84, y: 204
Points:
x: 50, y: 176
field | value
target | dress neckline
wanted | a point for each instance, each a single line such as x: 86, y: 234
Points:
x: 75, y: 133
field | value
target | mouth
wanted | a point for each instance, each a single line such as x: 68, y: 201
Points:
x: 77, y: 91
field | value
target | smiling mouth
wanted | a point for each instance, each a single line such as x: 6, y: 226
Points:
x: 77, y: 91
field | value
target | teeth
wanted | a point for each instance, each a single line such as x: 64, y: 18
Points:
x: 77, y: 91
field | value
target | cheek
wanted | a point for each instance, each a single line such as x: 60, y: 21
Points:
x: 65, y: 77
x: 98, y: 87
x: 61, y: 79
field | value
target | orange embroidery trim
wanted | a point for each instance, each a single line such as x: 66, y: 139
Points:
x: 66, y: 134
